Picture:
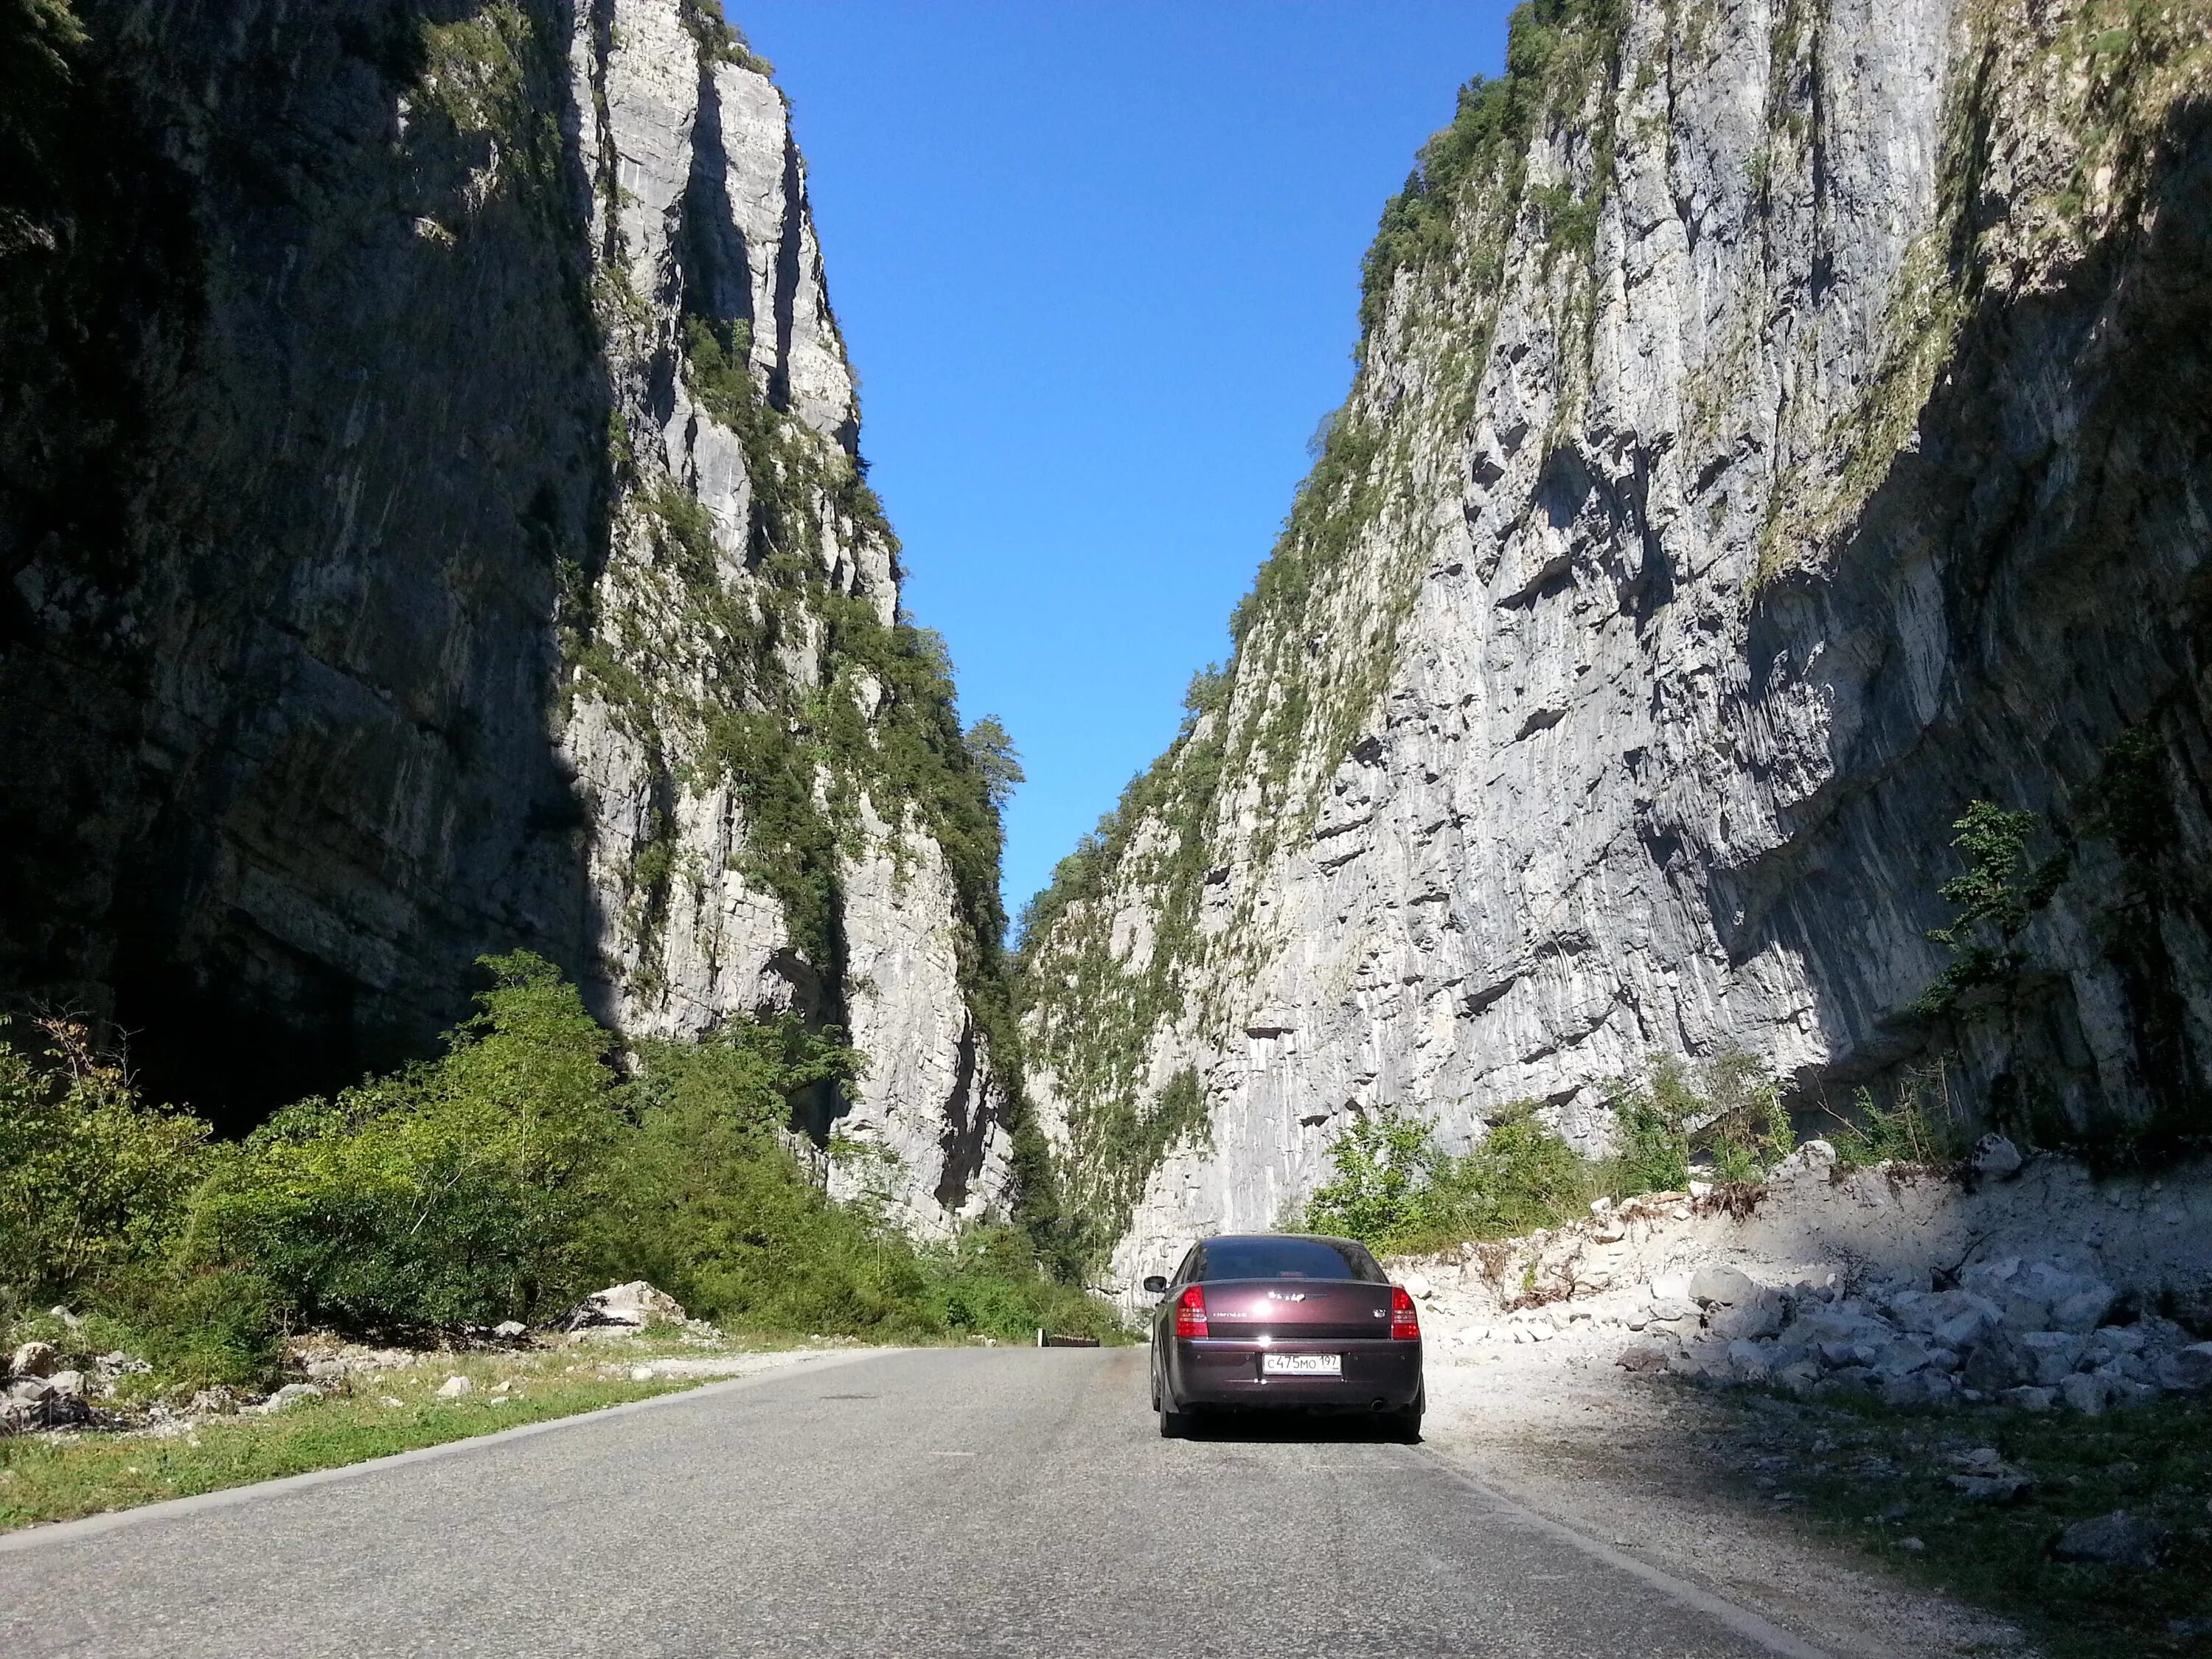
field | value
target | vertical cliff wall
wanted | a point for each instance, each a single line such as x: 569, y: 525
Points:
x: 432, y: 523
x: 1777, y: 427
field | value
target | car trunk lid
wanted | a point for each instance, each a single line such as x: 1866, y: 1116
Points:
x: 1294, y: 1309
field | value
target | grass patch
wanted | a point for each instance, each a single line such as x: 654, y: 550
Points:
x: 1874, y: 1478
x: 45, y: 1479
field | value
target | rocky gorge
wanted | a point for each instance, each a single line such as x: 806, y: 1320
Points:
x: 1748, y: 608
x: 434, y: 524
x: 1750, y: 603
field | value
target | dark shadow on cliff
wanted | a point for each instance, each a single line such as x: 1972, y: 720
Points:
x: 283, y: 760
x: 2049, y: 521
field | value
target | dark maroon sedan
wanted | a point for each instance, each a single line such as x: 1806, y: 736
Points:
x: 1284, y: 1322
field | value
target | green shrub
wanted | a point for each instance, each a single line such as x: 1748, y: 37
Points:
x: 1997, y: 896
x: 1727, y: 1109
x: 196, y: 1326
x: 1520, y: 1177
x: 1395, y: 1190
x: 1385, y: 1166
x: 709, y: 1201
x: 1654, y: 1115
x: 1748, y: 1143
x: 91, y: 1178
x: 449, y: 1193
x: 194, y: 1329
x: 1921, y: 1125
x: 1747, y: 1129
x: 501, y: 1180
x: 988, y: 1282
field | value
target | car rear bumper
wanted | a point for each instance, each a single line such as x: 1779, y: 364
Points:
x: 1214, y: 1371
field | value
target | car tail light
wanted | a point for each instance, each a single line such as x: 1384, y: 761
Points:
x: 1190, y: 1311
x: 1404, y: 1320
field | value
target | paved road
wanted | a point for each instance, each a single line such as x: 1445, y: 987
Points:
x: 961, y: 1502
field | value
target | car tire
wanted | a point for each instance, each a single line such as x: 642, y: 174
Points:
x: 1406, y: 1426
x: 1174, y: 1424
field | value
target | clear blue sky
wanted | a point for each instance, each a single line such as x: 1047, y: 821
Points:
x: 1097, y: 263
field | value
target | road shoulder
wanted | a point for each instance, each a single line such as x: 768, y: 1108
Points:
x: 1630, y: 1470
x: 446, y: 1435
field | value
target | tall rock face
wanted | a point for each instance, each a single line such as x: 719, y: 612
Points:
x: 432, y: 524
x: 1778, y: 428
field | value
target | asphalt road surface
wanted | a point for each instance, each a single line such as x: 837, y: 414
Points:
x: 955, y: 1502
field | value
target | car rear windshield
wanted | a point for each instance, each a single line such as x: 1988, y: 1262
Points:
x: 1285, y: 1258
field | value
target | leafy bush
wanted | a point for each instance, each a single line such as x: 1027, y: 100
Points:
x: 501, y: 1180
x: 1727, y: 1110
x: 709, y: 1201
x: 1654, y: 1116
x: 1520, y: 1177
x: 196, y: 1326
x: 450, y: 1192
x: 91, y: 1178
x: 1750, y: 1131
x: 1922, y: 1125
x: 1395, y: 1190
x: 987, y: 1283
x: 1385, y: 1168
x: 1997, y: 896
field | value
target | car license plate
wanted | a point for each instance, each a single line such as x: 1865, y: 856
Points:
x: 1301, y: 1364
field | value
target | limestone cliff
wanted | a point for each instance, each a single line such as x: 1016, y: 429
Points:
x: 1777, y: 427
x: 432, y: 523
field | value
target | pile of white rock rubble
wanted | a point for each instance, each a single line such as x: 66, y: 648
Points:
x: 37, y: 1392
x: 2021, y: 1281
x: 2030, y: 1335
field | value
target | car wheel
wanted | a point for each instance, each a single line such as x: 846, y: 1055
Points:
x: 1174, y: 1424
x: 1406, y: 1425
x: 1156, y: 1388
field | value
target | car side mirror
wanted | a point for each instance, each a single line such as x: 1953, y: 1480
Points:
x: 1156, y: 1285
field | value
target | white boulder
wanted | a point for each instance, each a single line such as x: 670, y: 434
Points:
x: 2086, y: 1391
x: 2053, y: 1354
x: 1995, y: 1156
x: 1727, y: 1286
x: 2189, y: 1369
x: 2119, y: 1539
x: 634, y: 1305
